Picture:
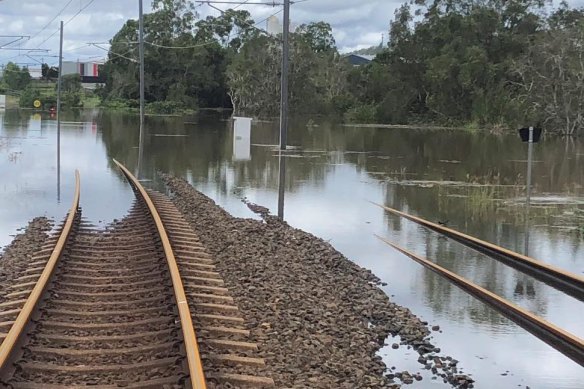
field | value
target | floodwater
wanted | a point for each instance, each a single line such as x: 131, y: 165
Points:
x: 473, y: 182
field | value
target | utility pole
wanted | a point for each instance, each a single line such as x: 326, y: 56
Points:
x: 59, y: 85
x: 285, y: 67
x: 141, y: 48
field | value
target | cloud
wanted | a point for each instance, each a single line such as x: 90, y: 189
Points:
x: 355, y: 23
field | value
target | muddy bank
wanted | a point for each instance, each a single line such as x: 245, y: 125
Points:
x: 15, y: 258
x: 320, y: 319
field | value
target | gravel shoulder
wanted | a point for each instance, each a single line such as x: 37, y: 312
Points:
x: 319, y: 318
x: 15, y: 258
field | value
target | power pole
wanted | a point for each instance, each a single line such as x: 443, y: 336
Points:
x: 285, y: 67
x: 141, y: 48
x: 59, y: 82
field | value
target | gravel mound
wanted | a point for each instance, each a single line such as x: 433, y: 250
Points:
x: 18, y: 254
x: 319, y: 318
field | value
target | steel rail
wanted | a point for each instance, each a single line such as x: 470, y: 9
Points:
x: 563, y: 341
x: 560, y: 279
x: 195, y: 365
x: 17, y: 330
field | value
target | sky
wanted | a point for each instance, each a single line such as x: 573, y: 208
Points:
x: 356, y: 23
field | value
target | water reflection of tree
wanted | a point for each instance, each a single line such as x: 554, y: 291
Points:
x: 445, y: 298
x: 205, y: 155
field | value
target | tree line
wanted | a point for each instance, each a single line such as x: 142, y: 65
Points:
x: 479, y: 63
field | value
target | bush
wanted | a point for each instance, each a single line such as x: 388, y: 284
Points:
x: 342, y: 104
x: 115, y: 104
x: 28, y: 97
x: 362, y: 114
x: 165, y: 107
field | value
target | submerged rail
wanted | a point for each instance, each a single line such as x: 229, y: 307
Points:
x: 560, y: 279
x: 18, y: 328
x: 192, y: 349
x: 563, y: 341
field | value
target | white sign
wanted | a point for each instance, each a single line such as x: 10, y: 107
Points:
x: 242, y: 139
x: 2, y: 102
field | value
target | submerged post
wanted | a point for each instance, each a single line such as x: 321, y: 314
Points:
x: 281, y: 185
x: 529, y: 165
x: 530, y: 135
x: 528, y: 195
x: 59, y: 85
x: 284, y: 86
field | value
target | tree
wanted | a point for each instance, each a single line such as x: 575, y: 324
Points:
x: 553, y: 79
x: 318, y: 75
x: 319, y: 36
x: 49, y: 72
x: 15, y: 77
x: 72, y: 90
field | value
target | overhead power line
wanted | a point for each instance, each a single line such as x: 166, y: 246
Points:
x: 67, y: 22
x: 52, y: 20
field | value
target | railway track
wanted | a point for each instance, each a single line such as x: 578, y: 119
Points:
x: 119, y: 308
x: 563, y: 341
x: 560, y: 279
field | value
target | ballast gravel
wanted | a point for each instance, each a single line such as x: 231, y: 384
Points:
x: 16, y: 257
x: 319, y: 318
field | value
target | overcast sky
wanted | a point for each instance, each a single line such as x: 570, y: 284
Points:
x: 356, y: 23
x: 355, y: 26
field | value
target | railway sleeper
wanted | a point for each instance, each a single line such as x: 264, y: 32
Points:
x: 105, y: 288
x: 106, y: 341
x: 241, y: 380
x: 96, y: 319
x: 122, y: 279
x: 122, y: 356
x: 112, y: 296
x: 150, y: 384
x: 80, y: 268
x: 73, y: 305
x: 13, y: 303
x: 104, y: 374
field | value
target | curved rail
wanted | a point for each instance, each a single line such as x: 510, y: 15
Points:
x: 17, y: 329
x: 192, y: 349
x: 563, y: 341
x: 560, y: 279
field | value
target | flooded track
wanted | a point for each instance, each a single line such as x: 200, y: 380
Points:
x: 110, y: 308
x: 331, y: 177
x: 563, y: 341
x: 560, y: 279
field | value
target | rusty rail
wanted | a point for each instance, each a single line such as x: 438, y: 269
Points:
x: 17, y: 330
x: 563, y: 341
x: 192, y: 349
x: 560, y: 279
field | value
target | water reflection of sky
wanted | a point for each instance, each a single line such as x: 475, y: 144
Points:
x: 328, y: 192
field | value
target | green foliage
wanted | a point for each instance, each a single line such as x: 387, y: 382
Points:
x: 117, y: 104
x: 49, y: 72
x: 167, y: 108
x: 459, y: 62
x: 317, y: 76
x: 31, y: 94
x: 185, y: 59
x: 71, y: 91
x: 362, y: 114
x: 28, y: 97
x: 16, y: 78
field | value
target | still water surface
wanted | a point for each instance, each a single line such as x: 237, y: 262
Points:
x: 474, y: 182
